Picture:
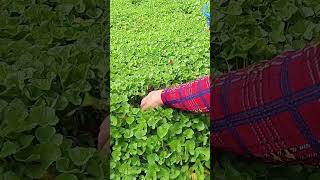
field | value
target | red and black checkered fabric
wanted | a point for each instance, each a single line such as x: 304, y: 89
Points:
x: 193, y: 96
x: 269, y: 110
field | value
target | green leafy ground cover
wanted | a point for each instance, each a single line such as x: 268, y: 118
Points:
x: 245, y: 32
x: 230, y: 167
x: 52, y: 73
x: 156, y: 44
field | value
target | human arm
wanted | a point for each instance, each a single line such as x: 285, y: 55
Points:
x: 193, y: 96
x: 270, y: 109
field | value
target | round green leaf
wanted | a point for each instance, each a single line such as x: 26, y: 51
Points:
x: 80, y: 155
x: 8, y: 149
x: 44, y: 134
x: 188, y: 133
x: 163, y: 130
x: 43, y: 115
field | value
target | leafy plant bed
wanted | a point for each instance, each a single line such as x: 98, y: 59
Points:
x: 52, y: 89
x: 245, y: 32
x: 154, y: 45
x: 229, y: 166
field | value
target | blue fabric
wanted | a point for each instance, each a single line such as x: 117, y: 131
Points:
x: 205, y: 13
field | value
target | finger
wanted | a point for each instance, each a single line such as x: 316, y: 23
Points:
x: 149, y: 106
x: 154, y: 105
x: 145, y: 107
x: 144, y: 100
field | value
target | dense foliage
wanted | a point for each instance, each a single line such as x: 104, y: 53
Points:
x: 245, y: 32
x: 52, y: 87
x: 156, y: 44
x: 231, y: 167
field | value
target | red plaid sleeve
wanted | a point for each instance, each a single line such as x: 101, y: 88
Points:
x: 271, y: 109
x: 193, y: 96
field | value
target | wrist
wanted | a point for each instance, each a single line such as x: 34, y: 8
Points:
x: 162, y: 97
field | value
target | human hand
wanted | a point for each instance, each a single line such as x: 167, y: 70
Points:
x: 152, y: 100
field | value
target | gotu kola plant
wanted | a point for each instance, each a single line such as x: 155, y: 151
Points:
x: 154, y: 45
x: 52, y: 62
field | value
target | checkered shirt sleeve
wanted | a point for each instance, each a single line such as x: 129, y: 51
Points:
x: 193, y: 96
x: 270, y: 110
